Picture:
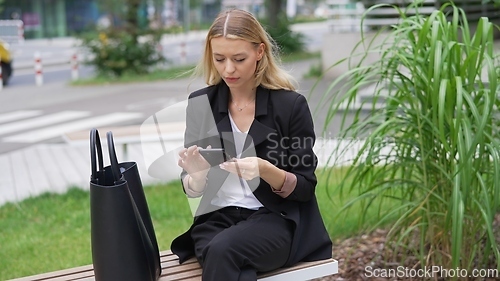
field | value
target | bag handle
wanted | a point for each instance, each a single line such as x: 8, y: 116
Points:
x: 115, y: 168
x: 95, y: 148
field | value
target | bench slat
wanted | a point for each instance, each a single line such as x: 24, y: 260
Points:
x: 191, y: 271
x: 56, y: 274
x: 178, y: 268
x: 303, y: 271
x: 188, y: 274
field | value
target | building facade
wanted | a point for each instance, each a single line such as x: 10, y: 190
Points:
x: 51, y: 18
x: 60, y: 18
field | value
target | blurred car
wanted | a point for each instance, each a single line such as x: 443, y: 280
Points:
x: 6, y: 61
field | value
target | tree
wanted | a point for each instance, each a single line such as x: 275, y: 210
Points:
x: 274, y: 10
x: 279, y: 28
x: 132, y: 16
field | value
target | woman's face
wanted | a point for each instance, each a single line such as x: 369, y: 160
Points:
x: 236, y: 61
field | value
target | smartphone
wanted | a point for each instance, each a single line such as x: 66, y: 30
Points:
x: 214, y: 156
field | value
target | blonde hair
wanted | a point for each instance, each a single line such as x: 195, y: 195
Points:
x: 240, y: 24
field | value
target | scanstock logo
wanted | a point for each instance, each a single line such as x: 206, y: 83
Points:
x: 163, y: 136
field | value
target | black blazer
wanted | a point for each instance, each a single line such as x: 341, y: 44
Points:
x: 282, y: 133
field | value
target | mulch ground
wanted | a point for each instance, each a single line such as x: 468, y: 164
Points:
x: 356, y: 253
x: 359, y: 256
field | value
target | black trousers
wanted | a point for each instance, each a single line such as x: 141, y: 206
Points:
x: 236, y: 243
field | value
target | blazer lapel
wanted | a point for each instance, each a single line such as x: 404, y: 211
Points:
x: 259, y: 131
x: 223, y: 128
x: 223, y: 124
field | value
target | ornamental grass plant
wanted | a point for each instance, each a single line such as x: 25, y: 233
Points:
x: 432, y: 146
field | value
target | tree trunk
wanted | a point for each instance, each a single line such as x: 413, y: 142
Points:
x: 273, y: 12
x: 132, y: 16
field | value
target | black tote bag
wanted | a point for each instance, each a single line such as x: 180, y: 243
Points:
x: 124, y: 246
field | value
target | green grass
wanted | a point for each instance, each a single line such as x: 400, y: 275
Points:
x: 343, y: 223
x: 306, y: 19
x: 52, y: 232
x: 156, y: 75
x: 300, y: 56
x: 315, y: 71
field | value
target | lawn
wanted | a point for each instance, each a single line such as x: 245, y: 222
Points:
x: 52, y: 231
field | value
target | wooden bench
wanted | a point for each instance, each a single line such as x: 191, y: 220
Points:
x: 191, y: 271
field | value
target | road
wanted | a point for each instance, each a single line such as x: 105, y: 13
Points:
x: 32, y: 114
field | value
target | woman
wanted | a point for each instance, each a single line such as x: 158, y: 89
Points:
x: 258, y: 211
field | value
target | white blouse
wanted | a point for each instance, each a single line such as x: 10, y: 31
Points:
x: 235, y: 190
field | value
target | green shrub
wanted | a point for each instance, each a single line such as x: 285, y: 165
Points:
x: 316, y: 71
x: 288, y: 41
x: 116, y: 52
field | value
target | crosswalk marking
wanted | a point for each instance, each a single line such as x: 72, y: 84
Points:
x: 42, y: 121
x: 20, y: 114
x: 58, y: 130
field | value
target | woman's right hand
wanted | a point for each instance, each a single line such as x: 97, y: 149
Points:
x: 193, y: 163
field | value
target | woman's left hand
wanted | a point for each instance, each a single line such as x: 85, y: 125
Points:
x: 246, y: 168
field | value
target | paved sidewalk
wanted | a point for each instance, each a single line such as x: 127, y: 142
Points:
x: 57, y: 167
